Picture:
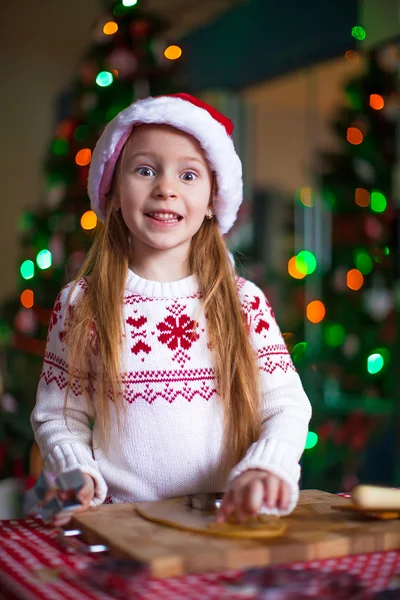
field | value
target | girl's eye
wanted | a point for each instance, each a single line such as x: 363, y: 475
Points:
x: 145, y: 171
x: 189, y: 176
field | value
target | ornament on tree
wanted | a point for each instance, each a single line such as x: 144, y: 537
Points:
x: 57, y: 249
x: 364, y: 170
x: 124, y: 61
x: 54, y: 195
x: 378, y: 300
x: 25, y: 321
x: 373, y: 227
x: 339, y: 279
x: 76, y: 260
x: 88, y: 102
x: 140, y: 29
x: 389, y: 57
x: 392, y: 107
x: 351, y: 346
x: 8, y: 403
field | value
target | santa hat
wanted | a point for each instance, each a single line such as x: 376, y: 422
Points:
x: 211, y: 128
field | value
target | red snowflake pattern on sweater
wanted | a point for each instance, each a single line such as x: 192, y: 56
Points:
x: 178, y: 332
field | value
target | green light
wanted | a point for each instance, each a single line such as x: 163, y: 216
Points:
x: 311, y: 441
x: 334, y: 334
x: 129, y: 2
x: 375, y: 363
x: 359, y: 32
x: 44, y: 259
x: 60, y: 147
x: 104, y: 78
x: 81, y: 132
x: 27, y: 269
x: 378, y: 201
x: 306, y: 262
x: 299, y: 351
x: 386, y: 250
x: 363, y: 261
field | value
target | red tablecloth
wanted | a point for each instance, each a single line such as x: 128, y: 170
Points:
x: 33, y: 564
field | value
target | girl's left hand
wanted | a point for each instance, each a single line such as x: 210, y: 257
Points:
x: 251, y: 490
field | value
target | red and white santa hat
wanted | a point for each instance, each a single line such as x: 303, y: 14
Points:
x: 185, y: 112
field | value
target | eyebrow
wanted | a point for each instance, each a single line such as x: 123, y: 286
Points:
x: 151, y: 155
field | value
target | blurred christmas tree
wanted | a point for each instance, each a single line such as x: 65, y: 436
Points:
x: 347, y: 281
x: 129, y: 58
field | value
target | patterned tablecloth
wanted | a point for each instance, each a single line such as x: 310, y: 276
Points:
x: 35, y: 564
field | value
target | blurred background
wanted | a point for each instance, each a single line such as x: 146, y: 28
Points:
x: 314, y: 90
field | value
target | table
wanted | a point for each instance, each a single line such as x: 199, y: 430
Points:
x: 34, y: 564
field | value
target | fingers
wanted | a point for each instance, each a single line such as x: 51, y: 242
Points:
x: 284, y: 496
x: 84, y: 496
x: 249, y: 492
x: 272, y: 489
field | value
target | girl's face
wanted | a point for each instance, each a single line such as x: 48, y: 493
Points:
x: 164, y: 190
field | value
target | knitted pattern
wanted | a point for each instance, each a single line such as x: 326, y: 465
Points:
x: 171, y: 441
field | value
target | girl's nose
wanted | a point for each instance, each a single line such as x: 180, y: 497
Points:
x: 165, y: 188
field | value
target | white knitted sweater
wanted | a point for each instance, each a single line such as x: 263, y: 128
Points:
x: 172, y: 435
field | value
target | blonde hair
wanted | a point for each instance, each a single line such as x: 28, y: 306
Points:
x: 236, y: 374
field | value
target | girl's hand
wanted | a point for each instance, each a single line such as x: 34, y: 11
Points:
x: 251, y: 490
x: 85, y: 495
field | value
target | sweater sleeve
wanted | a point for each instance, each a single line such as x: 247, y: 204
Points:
x: 64, y: 444
x: 286, y: 410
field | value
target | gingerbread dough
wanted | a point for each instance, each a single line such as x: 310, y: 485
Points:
x: 180, y: 517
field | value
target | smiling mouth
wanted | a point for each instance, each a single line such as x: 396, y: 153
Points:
x: 164, y: 217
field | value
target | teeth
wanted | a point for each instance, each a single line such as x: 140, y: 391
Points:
x: 164, y: 216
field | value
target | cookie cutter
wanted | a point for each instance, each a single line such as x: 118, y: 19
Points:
x: 70, y: 481
x: 206, y: 502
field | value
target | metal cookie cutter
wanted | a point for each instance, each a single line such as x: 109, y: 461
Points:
x: 206, y: 502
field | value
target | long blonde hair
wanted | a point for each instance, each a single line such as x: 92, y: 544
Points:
x: 105, y: 270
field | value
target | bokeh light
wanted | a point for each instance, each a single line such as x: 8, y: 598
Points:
x: 334, y: 334
x: 104, y: 79
x: 173, y: 52
x: 375, y: 363
x: 378, y: 201
x: 89, y: 220
x: 293, y: 270
x: 363, y: 197
x: 83, y: 157
x: 44, y: 259
x: 27, y: 269
x: 359, y: 32
x: 27, y: 298
x: 306, y: 262
x: 354, y: 136
x: 315, y: 311
x: 376, y: 101
x: 306, y: 197
x: 363, y: 261
x: 110, y: 28
x: 312, y: 440
x: 354, y: 279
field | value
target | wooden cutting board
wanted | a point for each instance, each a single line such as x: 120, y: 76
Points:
x: 313, y: 531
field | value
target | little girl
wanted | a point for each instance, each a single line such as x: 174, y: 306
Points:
x: 165, y: 374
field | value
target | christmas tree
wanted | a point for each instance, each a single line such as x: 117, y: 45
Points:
x: 128, y: 59
x: 346, y: 275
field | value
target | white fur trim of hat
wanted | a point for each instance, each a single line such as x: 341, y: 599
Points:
x: 189, y: 114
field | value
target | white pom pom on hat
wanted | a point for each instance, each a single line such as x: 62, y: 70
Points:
x: 189, y: 114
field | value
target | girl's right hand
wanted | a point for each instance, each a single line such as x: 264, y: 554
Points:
x: 85, y: 495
